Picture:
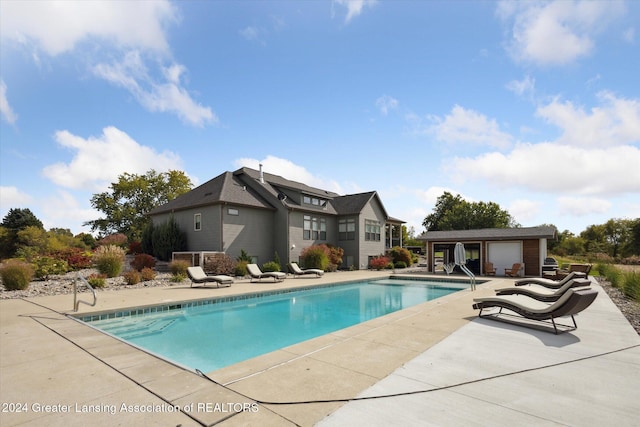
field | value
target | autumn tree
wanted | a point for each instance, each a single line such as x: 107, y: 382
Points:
x: 127, y: 202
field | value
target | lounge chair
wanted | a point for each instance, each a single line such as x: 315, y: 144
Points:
x: 255, y: 273
x: 544, y: 294
x: 572, y: 302
x: 295, y: 269
x: 549, y: 283
x: 489, y: 269
x: 513, y: 271
x: 197, y: 275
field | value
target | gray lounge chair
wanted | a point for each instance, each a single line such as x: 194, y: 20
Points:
x: 549, y: 283
x: 544, y: 294
x: 197, y: 275
x: 295, y: 269
x: 572, y: 302
x: 255, y: 273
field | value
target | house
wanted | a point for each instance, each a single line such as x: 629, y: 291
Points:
x: 501, y: 246
x: 265, y: 214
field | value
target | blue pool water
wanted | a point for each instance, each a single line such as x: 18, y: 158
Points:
x: 213, y: 334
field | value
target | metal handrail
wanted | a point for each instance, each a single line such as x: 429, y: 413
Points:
x: 76, y: 301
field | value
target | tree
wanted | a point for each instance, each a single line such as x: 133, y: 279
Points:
x: 127, y: 202
x: 15, y: 221
x: 454, y: 213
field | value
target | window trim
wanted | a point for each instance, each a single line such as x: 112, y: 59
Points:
x: 197, y: 222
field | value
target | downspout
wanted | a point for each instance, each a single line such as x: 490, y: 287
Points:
x: 222, y: 227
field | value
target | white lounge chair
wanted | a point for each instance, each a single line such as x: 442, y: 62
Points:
x: 548, y: 283
x: 295, y: 269
x: 255, y: 273
x: 197, y: 275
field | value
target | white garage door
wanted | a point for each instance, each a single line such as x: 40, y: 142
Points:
x: 504, y: 255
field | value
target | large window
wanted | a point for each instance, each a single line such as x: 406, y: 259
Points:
x: 197, y: 222
x: 314, y: 228
x: 347, y: 229
x: 372, y: 230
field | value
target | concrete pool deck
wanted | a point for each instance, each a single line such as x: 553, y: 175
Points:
x: 443, y: 365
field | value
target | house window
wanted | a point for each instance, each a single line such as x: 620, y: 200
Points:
x: 232, y: 211
x: 372, y: 230
x: 347, y: 229
x: 197, y: 222
x: 314, y: 201
x: 314, y: 228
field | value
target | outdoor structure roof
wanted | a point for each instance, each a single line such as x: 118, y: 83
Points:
x: 491, y: 234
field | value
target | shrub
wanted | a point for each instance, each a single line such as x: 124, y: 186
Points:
x: 45, y: 266
x: 241, y: 269
x: 219, y: 263
x: 16, y: 275
x: 399, y: 254
x: 146, y: 240
x: 168, y: 238
x: 380, y: 262
x: 135, y: 247
x: 118, y: 239
x: 179, y: 267
x: 147, y: 274
x: 244, y: 256
x: 400, y: 264
x: 270, y: 266
x: 615, y: 277
x: 97, y: 280
x: 632, y: 285
x: 316, y: 256
x: 178, y: 277
x: 109, y: 259
x: 141, y: 261
x: 132, y: 277
x: 76, y: 258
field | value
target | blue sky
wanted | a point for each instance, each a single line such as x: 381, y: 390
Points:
x: 532, y: 105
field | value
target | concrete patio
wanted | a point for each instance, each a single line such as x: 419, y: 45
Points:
x: 442, y: 364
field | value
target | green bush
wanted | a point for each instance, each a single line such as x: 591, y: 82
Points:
x: 97, y: 280
x: 132, y: 277
x: 168, y: 238
x: 147, y: 274
x: 109, y: 259
x: 270, y: 266
x: 241, y: 269
x: 399, y: 254
x: 400, y: 264
x: 179, y: 267
x: 45, y: 266
x: 178, y: 277
x: 16, y: 275
x: 316, y: 256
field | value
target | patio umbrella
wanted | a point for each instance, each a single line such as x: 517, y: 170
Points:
x: 460, y: 258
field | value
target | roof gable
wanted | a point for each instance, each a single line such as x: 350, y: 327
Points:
x: 491, y: 234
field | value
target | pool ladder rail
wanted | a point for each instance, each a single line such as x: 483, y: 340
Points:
x: 76, y: 301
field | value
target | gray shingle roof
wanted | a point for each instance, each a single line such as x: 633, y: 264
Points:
x: 225, y: 188
x: 491, y: 234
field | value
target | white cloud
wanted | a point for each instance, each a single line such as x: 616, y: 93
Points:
x: 12, y: 197
x: 354, y: 7
x: 99, y: 161
x: 558, y: 32
x: 62, y: 210
x: 58, y: 27
x: 386, y: 103
x: 615, y: 122
x: 5, y: 109
x: 468, y: 126
x: 582, y: 206
x: 165, y: 96
x: 524, y: 87
x: 554, y: 168
x: 523, y: 210
x: 254, y: 34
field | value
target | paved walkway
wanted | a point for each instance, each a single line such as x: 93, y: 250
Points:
x: 447, y: 367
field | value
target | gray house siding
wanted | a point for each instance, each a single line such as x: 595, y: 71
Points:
x: 251, y: 230
x: 372, y: 211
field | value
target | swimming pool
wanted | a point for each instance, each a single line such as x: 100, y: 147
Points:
x: 211, y: 334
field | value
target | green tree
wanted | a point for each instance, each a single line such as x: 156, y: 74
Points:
x: 454, y: 213
x: 15, y: 221
x: 168, y: 238
x: 127, y: 202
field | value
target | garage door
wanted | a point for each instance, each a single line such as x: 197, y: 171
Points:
x: 504, y: 255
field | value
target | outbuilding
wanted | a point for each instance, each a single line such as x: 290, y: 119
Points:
x: 501, y: 246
